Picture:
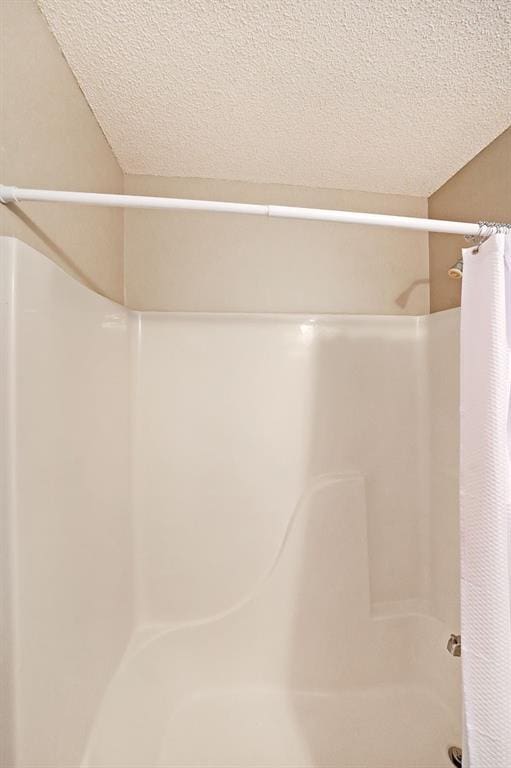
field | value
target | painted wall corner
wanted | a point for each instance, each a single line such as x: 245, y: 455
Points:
x: 49, y: 138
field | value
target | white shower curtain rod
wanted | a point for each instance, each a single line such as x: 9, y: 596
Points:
x: 18, y: 195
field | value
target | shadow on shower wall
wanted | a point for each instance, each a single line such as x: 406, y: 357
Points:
x: 404, y: 297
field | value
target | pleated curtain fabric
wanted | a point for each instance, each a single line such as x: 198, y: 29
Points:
x: 485, y: 503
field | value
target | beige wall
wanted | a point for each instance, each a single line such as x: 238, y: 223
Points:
x: 480, y: 190
x: 49, y: 138
x: 210, y: 262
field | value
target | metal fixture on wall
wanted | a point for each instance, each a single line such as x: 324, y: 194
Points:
x: 456, y: 271
x: 454, y: 648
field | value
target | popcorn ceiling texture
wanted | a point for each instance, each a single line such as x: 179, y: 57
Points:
x: 386, y: 96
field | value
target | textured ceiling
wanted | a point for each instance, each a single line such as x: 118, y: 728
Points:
x: 378, y: 95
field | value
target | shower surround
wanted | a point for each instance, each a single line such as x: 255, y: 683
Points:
x: 232, y: 537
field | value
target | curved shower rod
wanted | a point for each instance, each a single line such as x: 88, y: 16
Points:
x: 10, y: 194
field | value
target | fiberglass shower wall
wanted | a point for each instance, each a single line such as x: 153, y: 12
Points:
x: 65, y: 505
x: 238, y: 415
x: 283, y: 488
x: 281, y: 495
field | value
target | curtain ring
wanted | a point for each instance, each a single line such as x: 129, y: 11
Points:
x: 486, y: 230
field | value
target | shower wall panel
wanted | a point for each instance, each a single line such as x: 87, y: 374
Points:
x: 66, y: 503
x: 281, y: 477
x: 442, y: 356
x: 443, y: 367
x: 291, y: 478
x: 237, y: 416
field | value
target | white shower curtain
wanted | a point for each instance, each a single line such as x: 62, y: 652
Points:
x: 485, y: 502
